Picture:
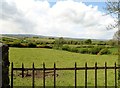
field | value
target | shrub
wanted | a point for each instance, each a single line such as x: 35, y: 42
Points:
x: 16, y: 45
x: 32, y: 45
x: 78, y: 46
x: 88, y: 41
x: 115, y: 53
x: 95, y: 50
x: 84, y: 51
x: 86, y: 46
x: 44, y: 46
x: 104, y: 51
x: 66, y: 47
x: 73, y: 49
x: 90, y: 46
x: 59, y: 43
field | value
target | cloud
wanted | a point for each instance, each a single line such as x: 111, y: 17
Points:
x: 11, y: 17
x: 65, y: 18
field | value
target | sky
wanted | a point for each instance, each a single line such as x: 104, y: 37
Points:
x: 66, y: 18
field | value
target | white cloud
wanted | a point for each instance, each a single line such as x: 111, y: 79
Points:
x: 65, y: 18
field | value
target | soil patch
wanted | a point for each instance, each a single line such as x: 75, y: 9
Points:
x: 37, y: 74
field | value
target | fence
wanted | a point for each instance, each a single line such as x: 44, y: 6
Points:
x: 86, y: 68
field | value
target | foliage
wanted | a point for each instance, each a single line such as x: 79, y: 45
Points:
x: 72, y: 45
x: 73, y: 49
x: 116, y: 53
x: 84, y: 51
x: 104, y: 51
x: 113, y: 8
x: 88, y: 41
x: 16, y: 44
x: 90, y: 49
x: 101, y: 43
x: 32, y: 45
x: 95, y: 50
x: 59, y: 43
x: 45, y: 46
x: 85, y: 46
x: 112, y: 42
x: 66, y: 47
x: 35, y: 37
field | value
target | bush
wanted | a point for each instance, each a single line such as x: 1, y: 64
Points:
x: 45, y: 46
x: 32, y: 45
x: 66, y: 47
x: 86, y: 46
x: 95, y: 50
x: 25, y: 45
x: 16, y: 45
x: 90, y: 46
x: 84, y: 51
x: 88, y: 41
x: 115, y: 53
x: 73, y: 49
x: 104, y: 51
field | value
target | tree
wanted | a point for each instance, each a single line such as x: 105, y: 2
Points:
x: 88, y: 41
x: 59, y: 43
x: 112, y: 42
x: 117, y: 35
x: 113, y: 8
x: 101, y: 43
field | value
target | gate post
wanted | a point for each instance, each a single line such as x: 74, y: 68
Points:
x: 4, y: 65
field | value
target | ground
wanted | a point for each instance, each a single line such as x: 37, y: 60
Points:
x: 62, y: 59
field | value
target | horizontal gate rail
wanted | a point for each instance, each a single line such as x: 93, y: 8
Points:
x: 78, y: 68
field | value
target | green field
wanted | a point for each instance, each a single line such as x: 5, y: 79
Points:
x: 62, y: 59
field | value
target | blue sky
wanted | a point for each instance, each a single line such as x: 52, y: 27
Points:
x: 62, y: 18
x: 100, y: 5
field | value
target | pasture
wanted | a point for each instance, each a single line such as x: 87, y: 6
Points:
x: 62, y: 59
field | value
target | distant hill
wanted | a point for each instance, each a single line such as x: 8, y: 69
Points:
x: 21, y: 35
x: 41, y: 36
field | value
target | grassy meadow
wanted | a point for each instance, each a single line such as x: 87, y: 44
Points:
x: 62, y: 59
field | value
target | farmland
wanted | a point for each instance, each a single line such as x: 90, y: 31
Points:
x: 62, y: 59
x: 64, y: 52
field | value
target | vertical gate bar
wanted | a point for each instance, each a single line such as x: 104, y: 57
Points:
x: 33, y: 76
x: 85, y: 75
x: 115, y: 77
x: 54, y: 75
x: 43, y: 75
x: 12, y: 75
x: 75, y: 75
x: 96, y: 75
x: 105, y: 75
x: 22, y: 70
